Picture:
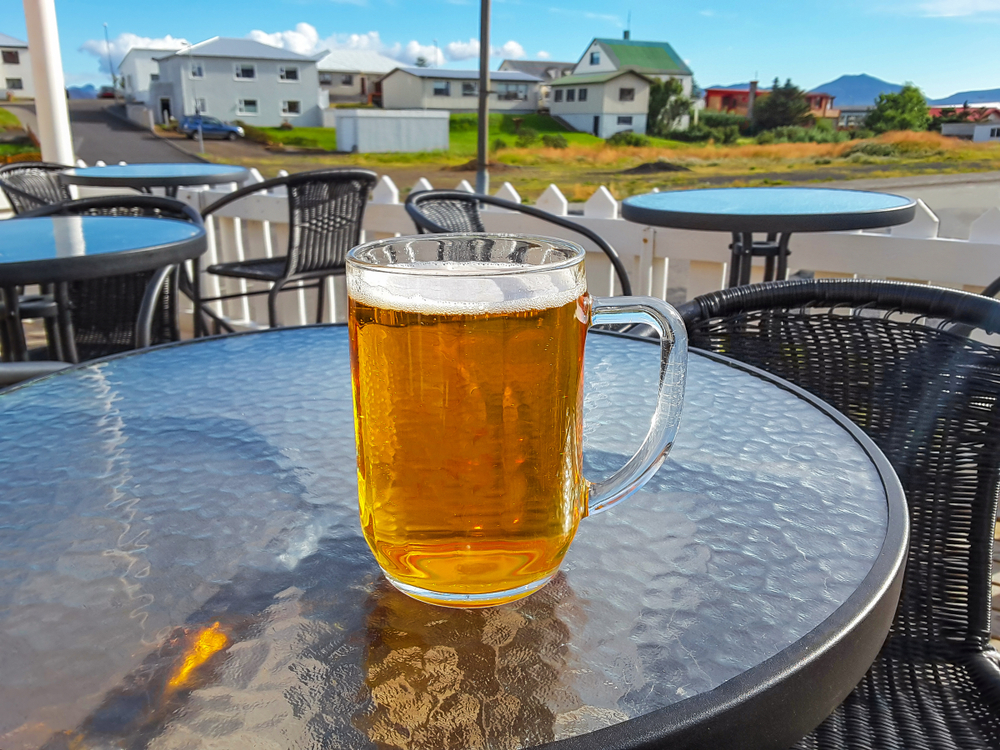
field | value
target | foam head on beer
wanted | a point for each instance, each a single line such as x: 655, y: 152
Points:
x: 467, y: 374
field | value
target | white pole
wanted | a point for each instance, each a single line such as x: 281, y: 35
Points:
x: 50, y: 85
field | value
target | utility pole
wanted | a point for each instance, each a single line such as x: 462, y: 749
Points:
x: 111, y: 70
x: 482, y: 145
x: 50, y: 84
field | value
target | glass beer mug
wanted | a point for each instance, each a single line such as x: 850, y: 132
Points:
x: 467, y: 369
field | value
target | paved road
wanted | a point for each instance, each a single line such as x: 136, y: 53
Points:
x: 98, y: 135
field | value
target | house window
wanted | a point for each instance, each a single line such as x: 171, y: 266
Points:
x: 11, y: 57
x: 199, y: 106
x: 626, y: 120
x: 245, y: 71
x: 994, y: 132
x: 512, y: 91
x: 128, y: 80
x: 571, y: 95
x: 291, y: 108
x: 154, y: 77
x: 595, y: 58
x: 582, y: 95
x: 326, y: 79
x: 15, y: 83
x: 626, y: 95
x: 198, y: 72
x: 288, y: 74
x: 247, y: 106
x: 559, y: 94
x: 470, y: 88
x: 347, y: 79
x: 442, y: 88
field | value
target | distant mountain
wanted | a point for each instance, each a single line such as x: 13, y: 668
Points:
x: 856, y: 91
x: 82, y: 92
x: 987, y: 96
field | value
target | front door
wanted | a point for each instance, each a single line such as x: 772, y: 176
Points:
x: 364, y: 87
x: 597, y: 125
x: 165, y: 109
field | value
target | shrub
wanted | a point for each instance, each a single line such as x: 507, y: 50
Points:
x: 254, y: 134
x: 797, y: 134
x: 628, y: 138
x: 554, y: 141
x: 526, y: 137
x: 499, y: 144
x: 872, y: 148
x: 712, y: 119
x: 286, y: 125
x: 464, y: 122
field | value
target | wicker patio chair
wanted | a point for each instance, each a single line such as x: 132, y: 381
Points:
x: 118, y: 313
x: 30, y: 185
x: 325, y: 211
x: 439, y: 211
x: 887, y: 355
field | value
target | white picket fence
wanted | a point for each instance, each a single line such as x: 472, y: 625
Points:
x: 675, y: 265
x: 671, y: 264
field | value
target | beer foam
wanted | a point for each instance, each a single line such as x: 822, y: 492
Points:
x: 463, y: 292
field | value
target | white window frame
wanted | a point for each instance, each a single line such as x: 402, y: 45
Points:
x: 505, y: 89
x: 622, y: 94
x: 153, y: 77
x: 581, y: 95
x: 559, y: 94
x: 347, y: 79
x: 199, y: 67
x: 283, y: 71
x: 625, y: 120
x: 241, y: 110
x: 284, y: 107
x: 570, y: 95
x: 446, y: 85
x: 15, y: 53
x: 595, y: 57
x: 236, y: 71
x: 15, y: 84
x: 473, y: 88
x: 325, y: 78
x: 200, y: 106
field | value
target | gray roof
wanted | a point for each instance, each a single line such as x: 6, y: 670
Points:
x: 467, y: 75
x: 356, y: 61
x: 540, y: 68
x: 243, y: 49
x: 9, y: 41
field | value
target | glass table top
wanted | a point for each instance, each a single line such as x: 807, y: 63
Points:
x: 764, y: 201
x: 181, y: 563
x: 154, y: 172
x: 58, y: 237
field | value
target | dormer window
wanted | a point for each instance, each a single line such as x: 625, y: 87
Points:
x: 595, y: 58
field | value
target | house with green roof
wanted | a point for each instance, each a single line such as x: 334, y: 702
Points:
x: 655, y: 59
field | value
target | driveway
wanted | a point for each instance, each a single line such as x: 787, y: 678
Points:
x: 98, y: 135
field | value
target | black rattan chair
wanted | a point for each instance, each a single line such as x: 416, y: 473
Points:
x: 31, y: 185
x: 325, y: 211
x: 887, y: 355
x: 439, y: 211
x: 113, y: 314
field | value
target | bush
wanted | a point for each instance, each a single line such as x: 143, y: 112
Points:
x: 254, y: 134
x: 286, y: 125
x: 526, y: 137
x: 628, y: 138
x: 464, y: 122
x: 797, y: 134
x: 701, y: 132
x: 712, y: 119
x: 554, y: 141
x: 499, y: 144
x: 872, y: 148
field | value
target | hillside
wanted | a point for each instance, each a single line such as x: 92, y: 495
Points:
x: 856, y: 90
x: 986, y: 96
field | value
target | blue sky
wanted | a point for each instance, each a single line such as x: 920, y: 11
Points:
x: 943, y: 46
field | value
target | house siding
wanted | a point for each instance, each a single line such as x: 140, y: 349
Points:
x: 606, y: 65
x: 20, y: 70
x: 136, y: 70
x: 402, y: 90
x: 603, y: 102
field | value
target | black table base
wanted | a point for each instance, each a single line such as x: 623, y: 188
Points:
x: 744, y: 249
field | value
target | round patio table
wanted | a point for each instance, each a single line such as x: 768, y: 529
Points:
x: 778, y: 211
x: 57, y: 249
x: 146, y: 176
x: 183, y: 565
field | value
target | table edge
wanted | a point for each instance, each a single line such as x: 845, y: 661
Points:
x: 762, y: 706
x: 239, y: 174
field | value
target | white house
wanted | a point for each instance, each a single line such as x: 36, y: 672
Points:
x: 602, y: 103
x: 978, y: 132
x: 547, y: 70
x: 15, y: 68
x: 137, y: 71
x: 238, y: 79
x: 353, y: 75
x: 458, y: 90
x: 652, y: 59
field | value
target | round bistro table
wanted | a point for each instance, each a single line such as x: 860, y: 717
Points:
x: 778, y: 211
x: 182, y: 566
x: 59, y: 249
x: 170, y: 177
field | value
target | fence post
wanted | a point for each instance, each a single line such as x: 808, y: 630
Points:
x: 601, y: 205
x: 924, y: 224
x: 553, y: 201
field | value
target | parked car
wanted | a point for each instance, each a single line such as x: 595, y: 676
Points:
x: 211, y: 127
x: 106, y: 92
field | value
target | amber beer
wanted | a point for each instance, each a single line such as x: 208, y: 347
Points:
x: 468, y: 417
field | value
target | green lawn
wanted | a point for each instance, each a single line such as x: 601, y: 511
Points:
x: 7, y: 120
x: 324, y: 138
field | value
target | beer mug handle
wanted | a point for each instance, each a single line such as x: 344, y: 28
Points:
x: 673, y: 366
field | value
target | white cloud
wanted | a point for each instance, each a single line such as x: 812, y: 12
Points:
x: 953, y: 8
x: 509, y: 50
x: 304, y: 39
x: 462, y: 50
x: 543, y: 55
x: 123, y: 43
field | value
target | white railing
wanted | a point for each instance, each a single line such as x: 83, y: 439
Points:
x: 671, y: 264
x: 675, y: 265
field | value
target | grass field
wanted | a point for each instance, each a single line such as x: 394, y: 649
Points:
x: 588, y: 162
x: 7, y: 120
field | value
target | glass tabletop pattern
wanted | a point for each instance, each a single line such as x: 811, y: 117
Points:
x: 181, y: 563
x: 61, y: 237
x: 157, y: 171
x: 769, y: 201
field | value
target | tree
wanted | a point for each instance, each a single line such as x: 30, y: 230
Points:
x: 784, y: 106
x: 667, y: 105
x: 422, y: 62
x: 905, y: 110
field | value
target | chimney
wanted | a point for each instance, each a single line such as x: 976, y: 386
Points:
x: 626, y: 34
x: 751, y: 99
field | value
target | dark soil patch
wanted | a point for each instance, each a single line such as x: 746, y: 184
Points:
x: 654, y: 167
x: 470, y: 166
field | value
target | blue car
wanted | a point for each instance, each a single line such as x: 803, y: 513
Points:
x: 211, y: 127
